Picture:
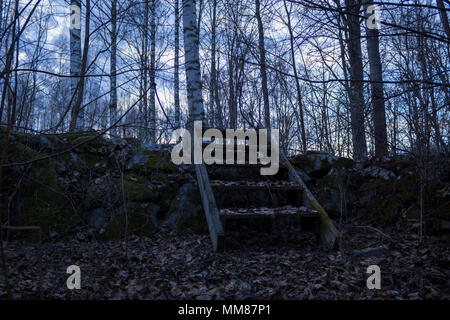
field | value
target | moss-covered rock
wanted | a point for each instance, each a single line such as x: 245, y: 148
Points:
x: 186, y: 211
x: 42, y: 202
x: 330, y: 192
x: 318, y: 164
x: 152, y: 161
x: 136, y: 188
x: 83, y: 186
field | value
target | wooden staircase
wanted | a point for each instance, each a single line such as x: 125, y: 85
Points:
x: 238, y: 194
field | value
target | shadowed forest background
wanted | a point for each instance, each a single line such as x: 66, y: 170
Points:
x: 91, y: 92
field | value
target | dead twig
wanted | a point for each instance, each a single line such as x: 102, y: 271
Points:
x: 376, y: 230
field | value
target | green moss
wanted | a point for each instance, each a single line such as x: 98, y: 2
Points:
x: 18, y: 152
x: 136, y: 189
x: 157, y: 165
x: 39, y: 201
x: 86, y: 162
x: 44, y: 203
x: 86, y: 140
x: 89, y: 143
x: 156, y: 161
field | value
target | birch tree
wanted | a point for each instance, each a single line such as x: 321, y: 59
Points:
x: 213, y: 78
x: 192, y: 62
x: 444, y: 17
x: 177, y: 66
x: 152, y: 111
x: 145, y: 71
x: 75, y: 62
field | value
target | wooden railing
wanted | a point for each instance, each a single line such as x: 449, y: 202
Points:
x: 210, y: 207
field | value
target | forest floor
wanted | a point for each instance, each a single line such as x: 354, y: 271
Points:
x: 262, y: 266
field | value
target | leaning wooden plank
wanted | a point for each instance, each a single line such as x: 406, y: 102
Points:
x: 328, y: 232
x: 209, y: 220
x: 214, y: 210
x: 209, y: 205
x: 220, y: 236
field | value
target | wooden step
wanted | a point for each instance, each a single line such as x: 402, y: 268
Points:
x: 273, y: 220
x: 261, y: 212
x: 267, y: 183
x: 240, y: 172
x: 256, y: 154
x: 271, y: 194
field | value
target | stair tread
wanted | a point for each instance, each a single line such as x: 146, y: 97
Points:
x: 255, y: 184
x: 246, y: 164
x: 267, y: 212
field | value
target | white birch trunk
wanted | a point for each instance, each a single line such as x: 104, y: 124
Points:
x: 177, y: 66
x: 192, y: 63
x: 144, y: 132
x: 152, y: 111
x: 75, y: 59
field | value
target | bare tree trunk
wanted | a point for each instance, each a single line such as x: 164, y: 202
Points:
x: 356, y: 94
x: 444, y: 17
x: 232, y: 98
x: 113, y: 84
x: 376, y: 75
x: 192, y: 63
x: 76, y: 120
x: 218, y: 103
x: 144, y: 133
x: 152, y: 113
x: 297, y: 81
x: 177, y: 66
x: 213, y: 80
x: 262, y: 64
x: 2, y: 63
x: 1, y: 16
x: 346, y: 77
x: 199, y: 19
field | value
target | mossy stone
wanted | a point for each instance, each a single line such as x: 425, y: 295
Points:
x: 136, y: 189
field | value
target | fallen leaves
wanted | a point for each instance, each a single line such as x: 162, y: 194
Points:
x: 170, y: 266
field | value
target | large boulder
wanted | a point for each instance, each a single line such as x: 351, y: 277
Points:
x: 187, y: 211
x: 112, y: 186
x: 317, y: 164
